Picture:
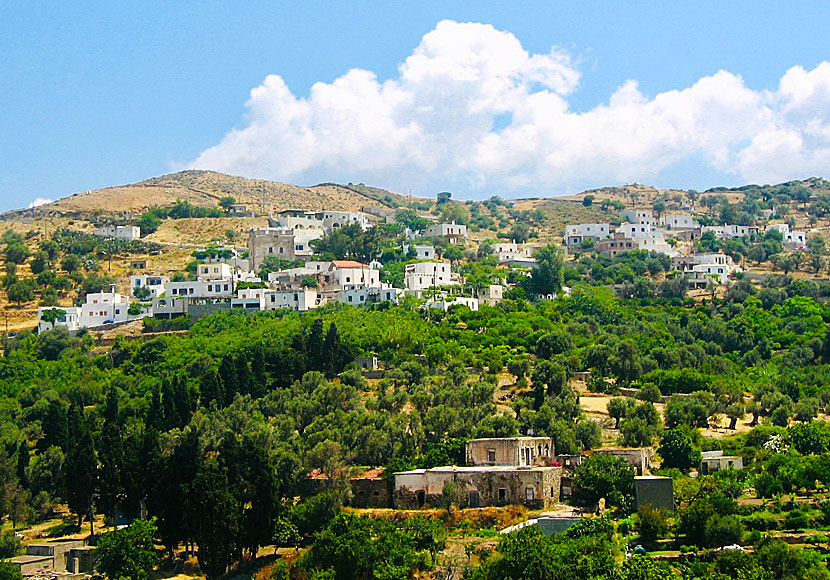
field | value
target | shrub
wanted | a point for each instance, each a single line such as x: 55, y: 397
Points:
x: 796, y: 520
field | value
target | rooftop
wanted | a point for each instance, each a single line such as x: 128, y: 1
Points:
x: 476, y: 469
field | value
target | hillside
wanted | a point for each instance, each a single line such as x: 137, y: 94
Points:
x: 206, y: 188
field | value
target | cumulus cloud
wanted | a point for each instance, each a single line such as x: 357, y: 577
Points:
x: 40, y: 201
x: 471, y: 107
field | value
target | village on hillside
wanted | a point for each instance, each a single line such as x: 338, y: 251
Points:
x: 478, y: 370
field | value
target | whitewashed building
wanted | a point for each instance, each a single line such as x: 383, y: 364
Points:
x: 119, y: 232
x: 578, y: 233
x: 727, y: 231
x: 155, y: 284
x: 454, y: 233
x: 639, y: 216
x: 679, y: 221
x: 423, y: 275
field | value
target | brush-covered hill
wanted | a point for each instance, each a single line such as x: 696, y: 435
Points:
x: 206, y: 188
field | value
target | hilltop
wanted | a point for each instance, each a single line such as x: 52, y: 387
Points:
x: 206, y: 188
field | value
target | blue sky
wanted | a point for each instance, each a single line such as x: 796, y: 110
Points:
x: 582, y: 94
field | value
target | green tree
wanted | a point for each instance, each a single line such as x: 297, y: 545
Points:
x: 547, y: 277
x: 129, y: 552
x: 226, y: 202
x: 82, y: 476
x: 16, y: 253
x: 212, y: 510
x: 678, y: 450
x: 605, y: 476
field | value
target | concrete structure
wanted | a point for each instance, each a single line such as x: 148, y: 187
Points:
x: 519, y: 451
x: 678, y: 221
x: 138, y: 264
x: 658, y: 492
x: 59, y: 556
x: 423, y: 275
x: 576, y: 234
x: 638, y: 457
x: 713, y: 461
x: 454, y: 233
x: 119, y: 232
x: 167, y: 308
x: 481, y: 486
x: 155, y: 284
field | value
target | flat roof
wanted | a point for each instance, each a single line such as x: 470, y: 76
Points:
x: 651, y: 478
x: 29, y: 558
x: 524, y: 438
x: 478, y: 469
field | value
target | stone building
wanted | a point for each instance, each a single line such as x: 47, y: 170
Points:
x: 479, y: 486
x: 638, y: 457
x: 520, y: 451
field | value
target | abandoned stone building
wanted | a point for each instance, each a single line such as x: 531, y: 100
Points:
x: 519, y: 451
x: 638, y: 457
x: 480, y: 485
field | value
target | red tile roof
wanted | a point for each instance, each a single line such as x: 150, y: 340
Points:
x: 348, y: 264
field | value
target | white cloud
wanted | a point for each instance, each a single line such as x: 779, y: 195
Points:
x: 40, y: 201
x: 471, y: 107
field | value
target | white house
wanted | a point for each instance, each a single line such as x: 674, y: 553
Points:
x: 576, y: 234
x: 71, y: 318
x: 620, y: 243
x: 635, y: 230
x: 730, y: 231
x: 423, y: 275
x: 422, y: 252
x: 219, y: 288
x: 678, y: 221
x: 300, y: 299
x: 99, y: 308
x: 700, y: 269
x: 491, y: 295
x: 792, y: 238
x: 215, y: 271
x: 639, y: 216
x: 349, y: 275
x: 360, y: 296
x: 119, y: 232
x: 326, y: 220
x: 103, y: 308
x: 155, y: 284
x: 446, y: 302
x: 455, y: 233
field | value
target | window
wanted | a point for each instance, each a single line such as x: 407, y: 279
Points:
x: 491, y: 455
x: 502, y: 494
x: 530, y: 494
